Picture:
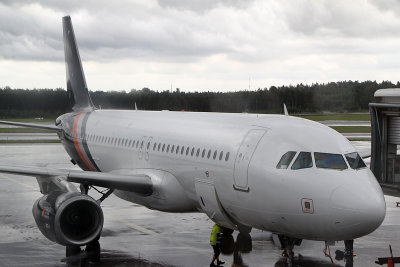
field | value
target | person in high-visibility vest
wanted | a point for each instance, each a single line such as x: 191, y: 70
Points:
x: 214, y: 242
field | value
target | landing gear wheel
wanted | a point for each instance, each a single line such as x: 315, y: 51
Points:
x: 288, y: 244
x: 226, y: 231
x: 244, y: 229
x: 244, y: 243
x: 93, y: 251
x: 72, y: 251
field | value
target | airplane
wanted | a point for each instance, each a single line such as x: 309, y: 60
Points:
x: 286, y: 175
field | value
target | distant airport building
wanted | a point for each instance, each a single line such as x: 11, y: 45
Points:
x: 385, y: 138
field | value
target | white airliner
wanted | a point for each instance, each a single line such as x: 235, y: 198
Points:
x: 282, y: 174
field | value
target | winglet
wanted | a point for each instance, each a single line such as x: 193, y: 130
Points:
x: 285, y: 110
x: 76, y: 83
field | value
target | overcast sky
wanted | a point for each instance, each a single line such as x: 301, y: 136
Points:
x: 201, y: 45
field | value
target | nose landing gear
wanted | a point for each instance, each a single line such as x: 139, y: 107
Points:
x: 347, y: 254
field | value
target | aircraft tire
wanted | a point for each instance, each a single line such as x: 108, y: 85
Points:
x: 93, y: 251
x: 72, y: 251
x: 227, y: 231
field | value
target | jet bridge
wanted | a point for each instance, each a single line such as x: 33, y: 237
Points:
x: 385, y: 139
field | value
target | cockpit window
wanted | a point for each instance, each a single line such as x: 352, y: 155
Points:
x: 284, y: 162
x: 303, y: 161
x: 330, y: 161
x: 355, y: 161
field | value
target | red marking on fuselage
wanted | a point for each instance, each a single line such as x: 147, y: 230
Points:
x: 76, y: 144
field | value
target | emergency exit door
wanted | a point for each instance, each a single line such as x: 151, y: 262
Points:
x: 243, y: 158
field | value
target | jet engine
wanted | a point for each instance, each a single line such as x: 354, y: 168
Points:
x: 68, y: 218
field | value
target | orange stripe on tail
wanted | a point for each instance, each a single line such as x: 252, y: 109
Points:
x: 76, y: 144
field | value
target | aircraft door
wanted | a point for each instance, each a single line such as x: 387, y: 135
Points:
x: 244, y: 156
x: 142, y: 145
x: 148, y: 146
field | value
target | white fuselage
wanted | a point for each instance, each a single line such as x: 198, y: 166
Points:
x: 226, y: 166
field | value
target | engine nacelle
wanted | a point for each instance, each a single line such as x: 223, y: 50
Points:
x: 69, y: 219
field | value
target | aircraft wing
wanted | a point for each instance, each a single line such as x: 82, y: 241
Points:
x: 32, y: 125
x: 134, y: 183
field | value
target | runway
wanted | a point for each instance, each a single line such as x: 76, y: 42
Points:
x: 136, y: 236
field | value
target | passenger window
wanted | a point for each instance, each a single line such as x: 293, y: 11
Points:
x: 148, y: 145
x: 167, y: 149
x: 355, y: 161
x: 163, y: 147
x: 192, y: 153
x: 137, y: 144
x: 198, y: 152
x: 182, y: 150
x: 203, y: 153
x: 172, y: 149
x: 215, y: 154
x: 227, y: 156
x: 303, y: 161
x: 133, y: 143
x: 221, y: 155
x: 177, y: 150
x: 159, y: 145
x: 329, y: 161
x: 187, y: 151
x: 154, y: 146
x: 285, y: 160
x: 209, y: 154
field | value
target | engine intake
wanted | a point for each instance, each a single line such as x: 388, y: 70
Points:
x: 68, y: 218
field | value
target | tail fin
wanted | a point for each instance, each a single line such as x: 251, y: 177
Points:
x: 76, y: 83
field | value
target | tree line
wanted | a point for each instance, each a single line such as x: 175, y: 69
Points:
x: 344, y: 96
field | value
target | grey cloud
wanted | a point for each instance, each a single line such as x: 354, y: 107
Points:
x: 204, y: 5
x: 143, y: 33
x: 354, y: 19
x: 176, y: 31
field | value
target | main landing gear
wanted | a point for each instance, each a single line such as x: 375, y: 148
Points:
x: 75, y: 256
x: 287, y: 245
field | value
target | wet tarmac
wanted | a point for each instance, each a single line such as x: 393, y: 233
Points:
x: 136, y: 236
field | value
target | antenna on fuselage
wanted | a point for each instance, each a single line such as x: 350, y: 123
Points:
x: 285, y: 110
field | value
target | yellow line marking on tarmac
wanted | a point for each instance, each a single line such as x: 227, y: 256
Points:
x: 18, y: 182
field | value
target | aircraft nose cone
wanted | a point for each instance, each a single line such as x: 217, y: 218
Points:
x: 357, y: 212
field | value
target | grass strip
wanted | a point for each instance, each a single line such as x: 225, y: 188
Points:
x: 352, y: 129
x: 30, y: 120
x: 24, y: 130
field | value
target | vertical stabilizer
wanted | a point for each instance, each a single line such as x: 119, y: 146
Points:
x: 76, y: 83
x: 285, y: 110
